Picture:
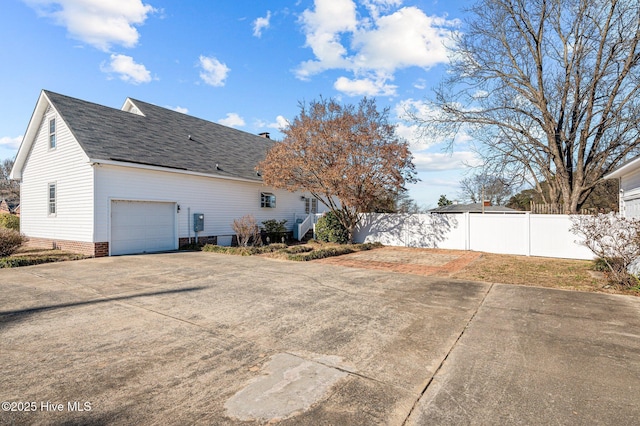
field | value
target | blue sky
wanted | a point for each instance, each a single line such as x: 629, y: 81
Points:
x: 245, y: 64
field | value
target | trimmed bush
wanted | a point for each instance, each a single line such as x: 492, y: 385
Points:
x: 10, y: 221
x: 298, y: 253
x: 298, y: 249
x: 243, y: 251
x: 322, y: 253
x: 330, y: 230
x: 10, y: 241
x: 17, y: 261
x: 274, y: 229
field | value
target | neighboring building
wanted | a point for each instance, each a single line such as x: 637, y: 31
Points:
x: 104, y: 181
x: 12, y: 207
x: 4, y: 206
x: 628, y: 176
x: 473, y: 208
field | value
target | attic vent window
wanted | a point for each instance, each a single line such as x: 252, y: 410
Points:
x: 52, y: 133
x: 268, y: 200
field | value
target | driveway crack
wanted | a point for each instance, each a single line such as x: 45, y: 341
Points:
x: 435, y: 373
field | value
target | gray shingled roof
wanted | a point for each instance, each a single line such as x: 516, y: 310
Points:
x: 161, y: 138
x: 473, y: 208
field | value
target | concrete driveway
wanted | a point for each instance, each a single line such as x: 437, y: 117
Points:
x: 201, y: 338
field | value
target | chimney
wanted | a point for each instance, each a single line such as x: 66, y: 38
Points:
x: 487, y: 203
x: 265, y: 135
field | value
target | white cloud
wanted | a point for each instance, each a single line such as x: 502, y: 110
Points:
x: 322, y: 28
x: 376, y: 7
x: 10, y: 143
x: 438, y: 161
x: 380, y: 43
x: 364, y: 87
x: 411, y: 133
x: 97, y: 22
x: 279, y: 124
x: 420, y: 83
x: 214, y: 72
x: 479, y: 94
x: 410, y: 111
x: 180, y: 109
x: 232, y: 120
x: 128, y: 69
x: 403, y: 39
x: 260, y: 24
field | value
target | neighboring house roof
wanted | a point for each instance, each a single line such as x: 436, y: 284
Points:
x: 143, y: 133
x: 624, y: 169
x: 473, y: 208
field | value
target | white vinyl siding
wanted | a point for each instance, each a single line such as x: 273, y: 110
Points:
x: 630, y: 194
x: 630, y: 182
x: 67, y: 166
x: 220, y: 200
x: 632, y: 208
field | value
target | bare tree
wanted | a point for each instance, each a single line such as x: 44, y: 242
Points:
x: 9, y: 189
x: 346, y: 156
x: 485, y: 187
x: 550, y: 88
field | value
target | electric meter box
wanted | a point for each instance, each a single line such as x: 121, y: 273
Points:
x: 198, y: 222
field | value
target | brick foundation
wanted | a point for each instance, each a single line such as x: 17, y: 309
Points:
x: 183, y: 241
x: 82, y: 247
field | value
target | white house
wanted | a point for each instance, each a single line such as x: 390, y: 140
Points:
x: 104, y: 181
x: 628, y: 175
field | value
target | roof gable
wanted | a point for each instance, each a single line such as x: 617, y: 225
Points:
x: 145, y: 134
x: 29, y: 137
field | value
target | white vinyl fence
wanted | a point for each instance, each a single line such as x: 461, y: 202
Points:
x: 524, y: 234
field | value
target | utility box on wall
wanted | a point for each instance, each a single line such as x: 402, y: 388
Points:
x: 198, y: 222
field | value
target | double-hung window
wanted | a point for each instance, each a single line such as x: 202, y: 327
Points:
x: 267, y: 199
x: 52, y: 133
x: 53, y: 192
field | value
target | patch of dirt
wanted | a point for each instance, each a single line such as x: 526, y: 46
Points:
x: 407, y: 260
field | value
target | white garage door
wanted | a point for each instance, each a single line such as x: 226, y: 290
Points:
x: 142, y: 227
x: 632, y: 209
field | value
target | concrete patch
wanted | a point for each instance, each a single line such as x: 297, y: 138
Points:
x: 291, y: 385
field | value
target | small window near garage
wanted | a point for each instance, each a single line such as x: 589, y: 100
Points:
x: 52, y: 199
x: 52, y: 133
x: 267, y: 199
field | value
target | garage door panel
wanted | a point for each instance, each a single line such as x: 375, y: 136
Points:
x: 142, y: 227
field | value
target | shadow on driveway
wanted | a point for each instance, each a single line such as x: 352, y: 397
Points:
x: 6, y: 315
